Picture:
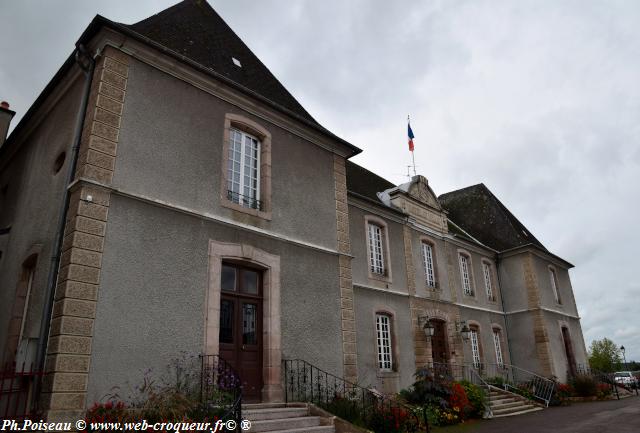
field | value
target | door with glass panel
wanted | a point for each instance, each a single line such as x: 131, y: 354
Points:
x: 241, y: 325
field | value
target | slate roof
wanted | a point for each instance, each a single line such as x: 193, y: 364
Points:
x: 477, y: 211
x: 193, y: 29
x: 364, y: 182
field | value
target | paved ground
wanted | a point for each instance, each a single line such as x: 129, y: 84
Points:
x: 615, y: 416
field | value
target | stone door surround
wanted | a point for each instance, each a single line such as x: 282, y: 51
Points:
x: 271, y: 330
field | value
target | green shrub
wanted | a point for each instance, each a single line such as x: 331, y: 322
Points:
x: 584, y: 386
x: 428, y: 390
x: 477, y: 399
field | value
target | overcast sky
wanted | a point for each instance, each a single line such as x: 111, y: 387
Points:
x: 539, y: 100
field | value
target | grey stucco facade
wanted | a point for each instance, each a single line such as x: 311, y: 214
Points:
x: 341, y: 253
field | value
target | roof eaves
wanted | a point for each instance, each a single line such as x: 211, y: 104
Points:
x: 542, y: 250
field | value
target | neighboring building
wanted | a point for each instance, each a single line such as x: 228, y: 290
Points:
x: 208, y: 212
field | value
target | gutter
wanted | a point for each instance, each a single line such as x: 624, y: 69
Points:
x: 87, y: 63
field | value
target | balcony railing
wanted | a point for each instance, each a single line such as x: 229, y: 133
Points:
x: 244, y: 200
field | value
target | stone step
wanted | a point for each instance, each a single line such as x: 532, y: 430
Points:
x: 533, y: 409
x: 252, y: 406
x: 513, y: 409
x: 319, y: 429
x: 507, y: 405
x: 271, y: 425
x: 274, y: 413
x: 504, y: 399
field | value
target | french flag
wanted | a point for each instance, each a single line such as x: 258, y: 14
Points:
x: 411, y: 137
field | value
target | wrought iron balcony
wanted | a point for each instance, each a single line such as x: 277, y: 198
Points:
x: 244, y: 200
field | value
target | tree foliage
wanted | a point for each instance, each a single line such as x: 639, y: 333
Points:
x: 605, y: 356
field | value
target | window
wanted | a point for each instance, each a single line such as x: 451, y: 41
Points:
x: 486, y: 270
x: 376, y: 251
x: 427, y: 261
x: 475, y: 347
x: 554, y: 284
x: 383, y: 337
x: 497, y: 345
x: 243, y: 169
x: 245, y: 184
x: 465, y: 275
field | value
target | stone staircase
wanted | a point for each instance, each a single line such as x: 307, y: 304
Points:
x: 283, y: 418
x: 505, y: 403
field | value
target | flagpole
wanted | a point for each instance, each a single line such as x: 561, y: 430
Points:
x: 413, y: 157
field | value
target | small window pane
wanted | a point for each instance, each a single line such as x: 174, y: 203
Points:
x: 228, y: 278
x: 249, y: 313
x: 250, y: 282
x: 226, y: 321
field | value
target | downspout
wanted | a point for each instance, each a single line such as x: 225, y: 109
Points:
x: 87, y: 64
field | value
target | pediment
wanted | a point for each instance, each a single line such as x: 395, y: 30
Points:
x: 421, y: 191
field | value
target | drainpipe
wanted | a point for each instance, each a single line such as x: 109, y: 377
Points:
x: 87, y: 64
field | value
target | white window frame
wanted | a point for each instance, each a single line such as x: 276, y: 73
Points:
x: 475, y: 347
x: 553, y: 277
x: 248, y: 144
x: 384, y: 343
x: 498, y: 347
x: 428, y: 263
x: 375, y: 237
x: 465, y: 273
x: 488, y: 284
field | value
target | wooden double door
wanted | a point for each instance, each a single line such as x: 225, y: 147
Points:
x: 241, y: 325
x: 439, y: 346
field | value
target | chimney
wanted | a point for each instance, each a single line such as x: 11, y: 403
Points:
x: 5, y: 119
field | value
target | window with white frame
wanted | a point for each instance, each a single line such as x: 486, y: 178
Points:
x: 243, y: 169
x: 498, y: 346
x: 376, y: 249
x: 465, y: 275
x: 554, y: 284
x: 486, y: 270
x: 427, y: 261
x: 475, y: 347
x: 383, y: 337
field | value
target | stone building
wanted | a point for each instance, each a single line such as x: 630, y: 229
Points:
x: 190, y: 203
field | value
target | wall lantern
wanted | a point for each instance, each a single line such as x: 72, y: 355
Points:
x: 463, y: 329
x: 428, y: 328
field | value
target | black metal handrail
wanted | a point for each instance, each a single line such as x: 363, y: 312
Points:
x: 307, y: 383
x: 244, y: 200
x: 220, y: 388
x: 506, y: 376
